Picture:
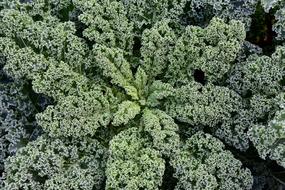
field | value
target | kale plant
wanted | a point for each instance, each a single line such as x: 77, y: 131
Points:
x: 141, y: 95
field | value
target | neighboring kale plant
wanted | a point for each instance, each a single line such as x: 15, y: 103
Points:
x: 18, y: 107
x: 202, y: 11
x: 278, y: 7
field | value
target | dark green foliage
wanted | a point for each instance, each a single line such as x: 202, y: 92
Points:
x: 17, y: 115
x: 202, y: 11
x: 137, y: 94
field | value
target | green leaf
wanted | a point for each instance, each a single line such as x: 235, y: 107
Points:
x: 140, y: 81
x: 163, y: 131
x: 127, y: 111
x: 133, y: 164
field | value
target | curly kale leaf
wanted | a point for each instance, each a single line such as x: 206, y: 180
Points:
x: 70, y: 90
x: 200, y: 12
x: 18, y: 107
x: 76, y: 116
x: 137, y: 89
x: 114, y: 66
x: 107, y: 23
x: 163, y: 131
x: 17, y: 123
x: 203, y: 163
x: 279, y: 26
x: 157, y: 43
x: 144, y: 14
x: 40, y: 8
x: 49, y: 37
x: 203, y: 105
x: 279, y: 8
x: 269, y: 139
x: 259, y: 74
x: 127, y: 111
x: 268, y: 4
x: 259, y: 80
x: 132, y: 163
x: 210, y: 50
x: 57, y: 164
